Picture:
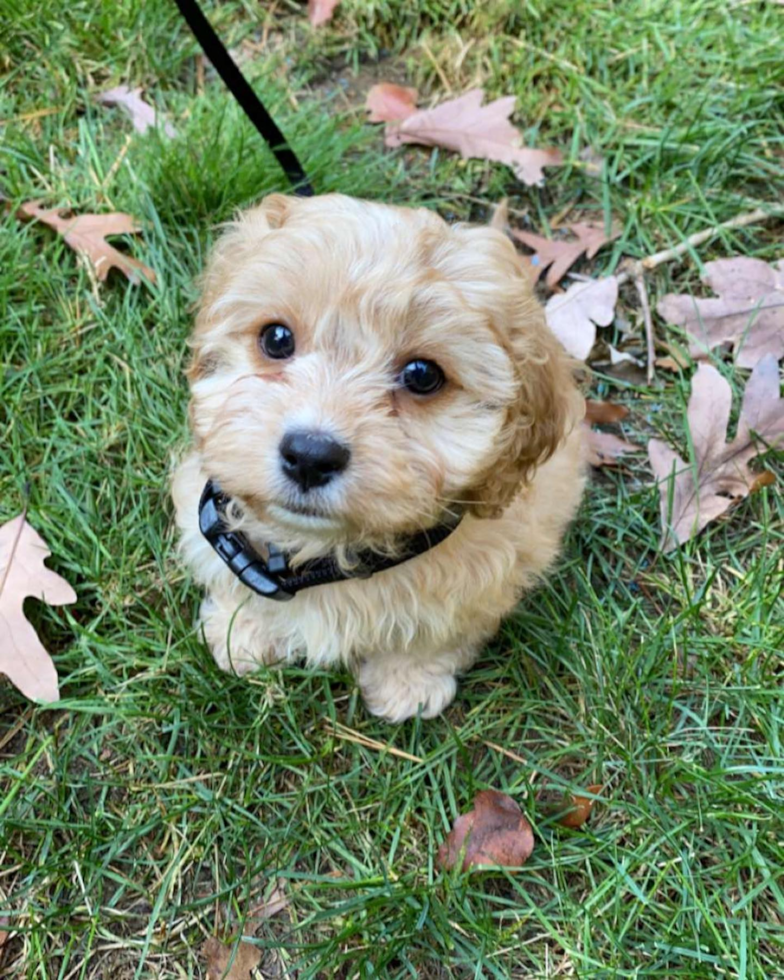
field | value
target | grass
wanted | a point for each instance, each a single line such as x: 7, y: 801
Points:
x: 156, y: 804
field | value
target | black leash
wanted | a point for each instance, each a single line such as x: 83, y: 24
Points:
x: 272, y: 577
x: 238, y: 85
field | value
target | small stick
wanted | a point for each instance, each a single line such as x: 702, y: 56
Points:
x: 642, y: 266
x: 368, y: 743
x: 642, y: 292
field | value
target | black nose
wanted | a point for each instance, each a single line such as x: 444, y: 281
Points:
x: 311, y: 459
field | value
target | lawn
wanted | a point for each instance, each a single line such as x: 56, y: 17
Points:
x: 160, y: 801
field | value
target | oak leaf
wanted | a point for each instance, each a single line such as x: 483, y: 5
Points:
x: 475, y: 131
x: 749, y: 311
x: 561, y: 255
x: 321, y: 11
x: 495, y: 832
x: 23, y: 575
x: 87, y: 233
x: 573, y: 316
x: 221, y: 966
x: 720, y: 473
x: 143, y: 115
x: 390, y: 103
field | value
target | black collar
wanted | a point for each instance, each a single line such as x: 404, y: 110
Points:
x: 273, y: 578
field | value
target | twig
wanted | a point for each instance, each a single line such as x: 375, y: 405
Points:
x: 350, y: 735
x: 642, y: 292
x: 640, y: 267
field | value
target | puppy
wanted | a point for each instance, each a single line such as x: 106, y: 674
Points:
x: 360, y: 373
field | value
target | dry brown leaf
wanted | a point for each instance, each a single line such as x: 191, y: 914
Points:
x: 720, y: 474
x: 579, y: 808
x: 561, y: 255
x: 220, y: 966
x: 749, y: 312
x: 495, y: 832
x: 477, y: 131
x: 593, y: 161
x: 605, y: 449
x: 573, y: 316
x: 603, y: 413
x: 143, y: 115
x: 321, y: 11
x: 23, y: 574
x: 275, y: 902
x: 87, y: 233
x: 390, y: 103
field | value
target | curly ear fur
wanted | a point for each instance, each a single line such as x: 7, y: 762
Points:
x: 239, y: 236
x: 548, y: 405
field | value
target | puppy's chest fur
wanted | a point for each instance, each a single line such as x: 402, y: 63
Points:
x: 451, y: 597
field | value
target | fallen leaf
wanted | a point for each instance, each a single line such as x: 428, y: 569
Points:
x: 579, y: 808
x: 23, y: 575
x: 143, y: 115
x: 220, y: 966
x: 321, y: 11
x: 602, y: 413
x: 475, y: 131
x: 500, y: 217
x: 275, y: 902
x: 390, y: 103
x: 720, y: 474
x: 561, y: 255
x: 87, y: 233
x: 573, y: 316
x: 495, y: 832
x: 604, y: 448
x: 623, y: 357
x: 749, y: 312
x: 593, y: 161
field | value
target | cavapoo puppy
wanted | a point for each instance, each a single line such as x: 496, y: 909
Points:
x: 362, y: 374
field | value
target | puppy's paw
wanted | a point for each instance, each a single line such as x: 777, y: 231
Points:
x: 396, y: 691
x: 234, y: 640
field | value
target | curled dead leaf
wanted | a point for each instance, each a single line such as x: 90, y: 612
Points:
x: 235, y: 961
x: 390, y: 103
x: 604, y: 413
x: 574, y: 315
x: 475, y: 131
x: 560, y: 255
x: 143, y: 115
x: 693, y: 496
x: 605, y: 449
x: 321, y: 11
x: 579, y: 807
x: 87, y: 233
x: 494, y: 833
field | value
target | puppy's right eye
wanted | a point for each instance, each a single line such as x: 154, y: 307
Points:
x: 277, y: 341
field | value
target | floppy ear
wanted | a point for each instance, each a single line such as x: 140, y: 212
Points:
x: 237, y: 241
x: 547, y: 407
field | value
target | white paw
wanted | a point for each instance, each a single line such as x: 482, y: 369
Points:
x: 396, y: 691
x: 233, y: 640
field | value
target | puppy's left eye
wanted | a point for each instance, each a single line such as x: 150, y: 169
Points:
x: 422, y: 377
x: 277, y: 341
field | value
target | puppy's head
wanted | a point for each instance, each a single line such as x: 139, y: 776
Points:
x: 361, y: 369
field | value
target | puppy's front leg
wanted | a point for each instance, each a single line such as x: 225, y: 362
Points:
x: 396, y: 687
x: 235, y: 634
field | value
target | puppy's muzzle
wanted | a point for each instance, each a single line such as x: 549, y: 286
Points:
x: 312, y: 459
